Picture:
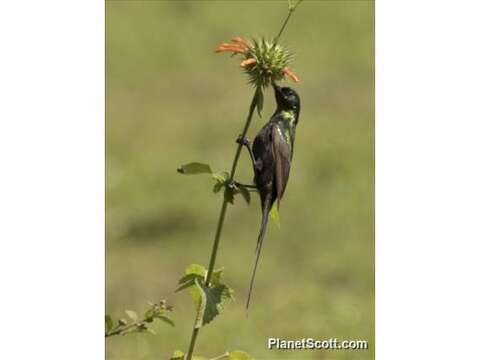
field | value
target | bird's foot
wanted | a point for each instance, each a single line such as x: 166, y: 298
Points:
x: 245, y: 185
x: 241, y: 140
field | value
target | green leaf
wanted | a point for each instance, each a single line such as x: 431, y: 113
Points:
x: 259, y: 100
x: 239, y: 355
x: 200, y: 298
x: 150, y: 330
x: 150, y: 313
x: 177, y: 355
x: 221, y: 176
x: 194, y: 168
x: 108, y: 323
x: 244, y: 192
x: 216, y: 276
x: 196, y: 269
x: 165, y: 319
x: 275, y: 216
x: 210, y: 301
x: 186, y: 285
x: 192, y: 272
x: 217, y: 187
x: 199, y: 358
x: 132, y: 314
x: 228, y: 194
x: 220, y: 180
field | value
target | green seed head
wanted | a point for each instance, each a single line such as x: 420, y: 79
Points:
x: 270, y: 62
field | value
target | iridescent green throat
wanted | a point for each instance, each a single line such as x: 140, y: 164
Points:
x: 287, y: 123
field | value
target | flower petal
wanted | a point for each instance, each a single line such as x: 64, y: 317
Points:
x: 290, y: 74
x: 248, y: 62
x: 241, y: 41
x: 229, y: 47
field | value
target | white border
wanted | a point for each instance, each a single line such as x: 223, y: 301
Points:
x: 52, y: 179
x: 52, y: 166
x: 427, y: 179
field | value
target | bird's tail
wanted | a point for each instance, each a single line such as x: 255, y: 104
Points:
x: 267, y: 205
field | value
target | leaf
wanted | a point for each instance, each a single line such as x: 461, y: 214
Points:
x: 228, y: 194
x: 245, y: 193
x: 216, y: 297
x: 194, y: 168
x: 177, y: 355
x: 132, y: 314
x: 275, y: 216
x: 150, y: 330
x: 165, y: 319
x: 239, y: 355
x: 200, y: 298
x: 196, y: 269
x: 259, y: 100
x: 186, y: 285
x: 221, y: 176
x: 199, y: 358
x: 192, y: 272
x: 216, y: 275
x: 150, y: 313
x: 217, y: 187
x: 220, y: 180
x: 210, y: 301
x: 108, y: 323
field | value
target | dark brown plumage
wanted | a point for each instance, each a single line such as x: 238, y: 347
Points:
x: 271, y: 155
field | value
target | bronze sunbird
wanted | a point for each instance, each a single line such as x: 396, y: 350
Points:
x: 271, y: 156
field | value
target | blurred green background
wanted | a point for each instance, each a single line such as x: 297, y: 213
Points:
x: 171, y: 100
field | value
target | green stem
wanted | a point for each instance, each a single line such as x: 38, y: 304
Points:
x: 192, y: 343
x: 253, y: 105
x: 291, y: 9
x: 119, y: 330
x: 223, y: 210
x: 221, y: 218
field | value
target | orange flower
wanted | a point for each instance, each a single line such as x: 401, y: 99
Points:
x: 248, y: 62
x: 238, y: 45
x: 230, y: 47
x: 243, y: 42
x: 290, y: 74
x: 264, y: 62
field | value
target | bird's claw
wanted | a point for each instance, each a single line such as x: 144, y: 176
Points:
x: 243, y: 140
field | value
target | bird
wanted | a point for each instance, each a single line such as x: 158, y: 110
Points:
x: 271, y: 155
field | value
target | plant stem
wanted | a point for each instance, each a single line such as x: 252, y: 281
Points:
x: 221, y: 218
x: 291, y: 9
x: 223, y: 210
x: 253, y: 105
x: 120, y: 330
x: 192, y: 342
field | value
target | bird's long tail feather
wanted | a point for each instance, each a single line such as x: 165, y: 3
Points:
x: 267, y: 205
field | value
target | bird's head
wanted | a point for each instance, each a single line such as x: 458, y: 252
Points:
x: 287, y: 98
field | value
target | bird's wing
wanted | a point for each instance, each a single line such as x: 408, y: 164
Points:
x: 282, y: 155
